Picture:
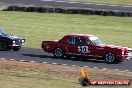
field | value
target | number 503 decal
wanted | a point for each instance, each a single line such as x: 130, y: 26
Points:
x: 83, y: 49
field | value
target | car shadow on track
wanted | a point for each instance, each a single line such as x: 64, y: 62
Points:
x: 72, y: 59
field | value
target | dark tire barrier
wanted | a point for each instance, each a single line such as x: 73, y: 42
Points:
x: 30, y: 9
x: 22, y: 9
x: 70, y: 11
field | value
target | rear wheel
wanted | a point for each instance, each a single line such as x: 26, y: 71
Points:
x: 58, y: 52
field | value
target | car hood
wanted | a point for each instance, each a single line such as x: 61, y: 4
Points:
x: 15, y: 37
x: 113, y: 46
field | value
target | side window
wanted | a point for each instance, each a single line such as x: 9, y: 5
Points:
x: 71, y: 40
x: 76, y: 40
x: 80, y: 40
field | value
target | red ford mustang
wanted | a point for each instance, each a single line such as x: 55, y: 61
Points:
x: 81, y: 45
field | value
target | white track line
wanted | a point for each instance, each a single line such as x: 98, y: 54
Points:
x: 64, y: 64
x: 122, y: 71
x: 22, y: 60
x: 45, y: 62
x: 54, y: 63
x: 32, y: 61
x: 126, y: 6
x: 2, y: 58
x: 95, y: 67
x: 100, y: 4
x: 84, y: 3
x: 87, y: 3
x: 47, y: 0
x: 85, y: 66
x: 104, y: 68
x: 116, y: 69
x: 72, y: 2
x: 59, y: 1
x: 12, y: 59
x: 126, y: 70
x: 114, y: 5
x: 73, y: 65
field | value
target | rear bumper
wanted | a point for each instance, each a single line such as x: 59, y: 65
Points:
x: 47, y: 48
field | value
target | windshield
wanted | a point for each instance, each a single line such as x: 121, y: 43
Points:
x: 96, y: 40
x: 2, y: 32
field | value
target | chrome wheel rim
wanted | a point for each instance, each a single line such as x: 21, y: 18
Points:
x: 110, y: 57
x: 58, y: 52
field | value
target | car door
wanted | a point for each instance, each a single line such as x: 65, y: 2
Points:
x: 72, y: 47
x: 77, y: 46
x: 84, y: 47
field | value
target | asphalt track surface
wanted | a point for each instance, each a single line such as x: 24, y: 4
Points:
x: 39, y: 56
x: 67, y: 4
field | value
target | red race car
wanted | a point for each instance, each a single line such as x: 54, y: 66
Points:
x: 81, y: 45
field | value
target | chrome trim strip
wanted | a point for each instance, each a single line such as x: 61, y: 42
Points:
x: 84, y: 55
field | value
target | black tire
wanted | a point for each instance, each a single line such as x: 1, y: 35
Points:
x: 85, y: 82
x: 16, y: 48
x: 67, y: 57
x: 4, y: 47
x: 110, y: 58
x: 118, y: 61
x: 58, y: 52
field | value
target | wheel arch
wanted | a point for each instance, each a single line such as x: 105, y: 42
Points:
x: 58, y: 47
x: 107, y: 53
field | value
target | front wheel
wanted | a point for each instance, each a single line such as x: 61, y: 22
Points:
x: 58, y: 52
x: 16, y: 48
x: 110, y: 58
x: 4, y: 47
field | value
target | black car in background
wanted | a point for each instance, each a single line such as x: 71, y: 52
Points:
x: 10, y: 42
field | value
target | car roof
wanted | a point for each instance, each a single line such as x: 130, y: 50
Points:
x: 80, y: 35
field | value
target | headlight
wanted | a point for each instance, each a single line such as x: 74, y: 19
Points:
x: 23, y: 41
x: 13, y: 42
x: 123, y: 52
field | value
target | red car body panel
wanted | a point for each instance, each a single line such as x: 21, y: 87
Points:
x: 90, y: 50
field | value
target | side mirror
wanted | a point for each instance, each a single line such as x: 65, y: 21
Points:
x: 89, y: 43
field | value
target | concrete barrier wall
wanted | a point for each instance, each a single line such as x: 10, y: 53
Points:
x: 70, y: 11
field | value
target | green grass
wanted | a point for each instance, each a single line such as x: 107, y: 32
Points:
x: 127, y: 2
x: 7, y: 81
x: 26, y: 77
x: 36, y: 27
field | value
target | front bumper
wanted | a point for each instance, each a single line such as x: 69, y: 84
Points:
x: 129, y: 55
x: 125, y: 57
x: 18, y: 43
x: 15, y: 45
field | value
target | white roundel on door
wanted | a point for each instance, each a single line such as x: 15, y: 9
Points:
x: 83, y: 49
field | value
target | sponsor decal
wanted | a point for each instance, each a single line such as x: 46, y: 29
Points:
x: 85, y: 81
x: 83, y: 49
